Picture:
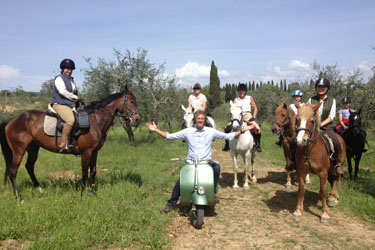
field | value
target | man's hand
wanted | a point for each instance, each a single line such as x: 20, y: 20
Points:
x: 152, y: 127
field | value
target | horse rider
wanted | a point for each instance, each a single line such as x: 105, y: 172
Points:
x: 246, y: 102
x: 297, y: 100
x: 197, y: 101
x: 327, y: 113
x: 344, y: 114
x: 199, y: 142
x: 64, y: 99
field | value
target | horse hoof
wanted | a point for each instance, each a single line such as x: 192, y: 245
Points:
x: 40, y: 190
x: 254, y: 179
x: 332, y: 203
x: 246, y: 187
x: 324, y: 219
x: 297, y: 217
x: 235, y: 189
x: 288, y: 186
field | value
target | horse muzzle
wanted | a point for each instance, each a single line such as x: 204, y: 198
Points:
x: 135, y: 119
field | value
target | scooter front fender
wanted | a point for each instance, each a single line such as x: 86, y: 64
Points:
x: 205, y: 179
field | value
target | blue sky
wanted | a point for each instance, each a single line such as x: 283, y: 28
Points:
x: 248, y: 40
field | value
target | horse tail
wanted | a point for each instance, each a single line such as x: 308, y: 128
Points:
x: 7, y: 152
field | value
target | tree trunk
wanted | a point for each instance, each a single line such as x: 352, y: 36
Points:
x: 126, y: 125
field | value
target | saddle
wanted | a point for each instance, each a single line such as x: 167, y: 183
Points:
x: 53, y: 124
x: 331, y: 143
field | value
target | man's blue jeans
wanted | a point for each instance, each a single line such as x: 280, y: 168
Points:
x: 176, y: 190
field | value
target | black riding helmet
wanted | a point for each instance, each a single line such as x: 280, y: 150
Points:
x: 242, y: 86
x: 197, y: 86
x: 323, y: 82
x: 67, y: 64
x: 346, y: 100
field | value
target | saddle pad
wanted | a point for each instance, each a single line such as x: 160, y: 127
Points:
x: 50, y: 126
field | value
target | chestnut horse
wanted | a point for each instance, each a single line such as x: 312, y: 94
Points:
x: 312, y: 157
x: 284, y: 125
x: 25, y: 133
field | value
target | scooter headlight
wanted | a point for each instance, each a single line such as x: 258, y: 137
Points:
x: 201, y: 190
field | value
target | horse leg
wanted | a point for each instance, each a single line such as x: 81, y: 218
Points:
x: 17, y: 158
x: 356, y: 166
x: 307, y: 179
x: 235, y: 170
x: 246, y: 168
x: 333, y: 198
x: 253, y: 177
x: 301, y: 193
x: 93, y: 170
x: 288, y: 180
x: 350, y: 168
x: 32, y: 156
x: 323, y: 194
x: 85, y: 162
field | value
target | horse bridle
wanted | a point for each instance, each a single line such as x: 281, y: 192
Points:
x: 239, y: 121
x: 281, y: 126
x: 129, y: 111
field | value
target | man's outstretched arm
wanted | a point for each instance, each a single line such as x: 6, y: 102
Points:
x: 152, y: 127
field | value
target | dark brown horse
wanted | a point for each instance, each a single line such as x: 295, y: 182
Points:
x: 312, y: 157
x: 284, y: 125
x: 24, y: 133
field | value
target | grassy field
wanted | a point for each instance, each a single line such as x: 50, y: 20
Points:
x: 131, y: 189
x: 131, y: 185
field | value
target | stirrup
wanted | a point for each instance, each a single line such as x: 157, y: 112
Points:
x: 67, y: 149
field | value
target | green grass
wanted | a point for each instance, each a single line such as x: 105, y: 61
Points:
x: 123, y: 213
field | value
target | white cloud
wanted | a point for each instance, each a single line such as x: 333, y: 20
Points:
x: 193, y: 72
x: 296, y: 70
x: 298, y: 65
x: 7, y: 72
x: 364, y: 67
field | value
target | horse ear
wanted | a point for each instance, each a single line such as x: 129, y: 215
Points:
x: 297, y: 105
x: 285, y: 106
x: 183, y: 107
x: 231, y: 103
x: 316, y: 107
x: 359, y: 111
x: 276, y: 104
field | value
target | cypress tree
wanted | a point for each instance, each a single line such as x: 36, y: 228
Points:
x: 233, y: 91
x: 253, y: 86
x: 214, y: 88
x: 272, y: 83
x: 285, y: 86
x: 227, y: 92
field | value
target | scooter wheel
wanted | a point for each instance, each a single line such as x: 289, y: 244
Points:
x: 198, y: 217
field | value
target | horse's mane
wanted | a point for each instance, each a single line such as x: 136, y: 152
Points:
x: 292, y: 119
x: 307, y: 111
x: 234, y: 106
x: 103, y: 102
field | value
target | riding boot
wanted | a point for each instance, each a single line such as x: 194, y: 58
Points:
x: 227, y: 130
x: 226, y: 147
x: 257, y: 142
x: 280, y: 141
x: 64, y: 145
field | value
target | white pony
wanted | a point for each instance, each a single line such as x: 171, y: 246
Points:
x: 189, y: 118
x: 242, y: 145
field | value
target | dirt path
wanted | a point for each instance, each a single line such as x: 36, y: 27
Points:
x: 261, y: 217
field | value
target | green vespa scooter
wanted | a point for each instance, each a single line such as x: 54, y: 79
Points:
x: 197, y: 189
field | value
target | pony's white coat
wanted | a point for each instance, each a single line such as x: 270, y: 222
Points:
x: 242, y: 145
